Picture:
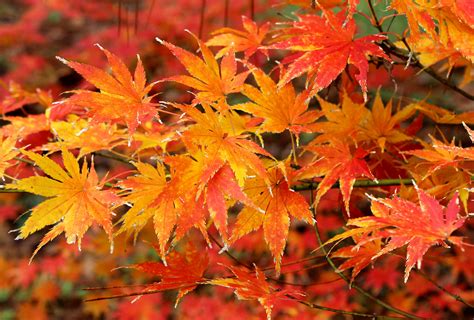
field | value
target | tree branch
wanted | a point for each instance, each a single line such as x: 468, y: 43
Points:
x: 358, y: 184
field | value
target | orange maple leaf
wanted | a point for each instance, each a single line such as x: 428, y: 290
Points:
x: 278, y: 202
x: 224, y: 135
x: 75, y: 199
x: 421, y: 226
x: 143, y: 190
x: 343, y: 121
x: 358, y: 256
x: 19, y: 97
x: 87, y: 136
x: 449, y: 24
x: 327, y: 44
x: 122, y: 99
x: 381, y: 126
x: 438, y: 155
x: 199, y: 187
x: 441, y: 115
x: 282, y: 109
x: 253, y: 286
x: 336, y: 162
x: 207, y: 182
x: 183, y: 271
x: 22, y: 127
x: 248, y: 41
x: 214, y: 83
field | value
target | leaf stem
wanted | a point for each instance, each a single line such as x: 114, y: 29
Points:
x: 114, y: 156
x: 25, y: 160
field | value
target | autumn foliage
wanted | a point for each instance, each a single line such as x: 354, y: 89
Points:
x: 314, y: 158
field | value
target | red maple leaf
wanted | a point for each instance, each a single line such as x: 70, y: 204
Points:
x: 420, y: 226
x: 253, y: 286
x: 183, y: 271
x: 326, y: 45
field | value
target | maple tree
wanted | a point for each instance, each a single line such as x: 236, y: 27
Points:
x: 314, y: 163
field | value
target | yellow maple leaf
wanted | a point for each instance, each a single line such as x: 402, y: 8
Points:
x: 278, y: 202
x: 224, y: 135
x: 7, y: 153
x: 88, y: 137
x: 382, y: 127
x: 75, y: 199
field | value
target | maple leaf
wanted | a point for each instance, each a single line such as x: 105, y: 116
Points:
x: 199, y: 187
x: 342, y: 121
x: 214, y: 83
x: 358, y: 257
x: 417, y: 17
x: 122, y: 99
x: 75, y: 199
x: 278, y: 202
x: 155, y: 135
x: 405, y: 223
x: 211, y: 182
x: 248, y: 41
x: 145, y: 188
x: 282, y: 109
x: 441, y: 115
x: 469, y: 131
x: 224, y: 135
x: 8, y: 152
x: 429, y: 52
x: 183, y: 271
x: 85, y: 136
x: 327, y: 45
x: 438, y: 155
x: 448, y: 24
x: 337, y: 162
x: 220, y: 184
x: 19, y: 97
x: 22, y: 127
x: 381, y: 126
x: 253, y: 286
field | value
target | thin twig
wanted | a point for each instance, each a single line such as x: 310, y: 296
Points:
x: 201, y: 19
x: 226, y: 13
x: 25, y: 160
x: 376, y: 20
x: 252, y: 9
x: 113, y: 156
x: 365, y: 315
x: 449, y: 293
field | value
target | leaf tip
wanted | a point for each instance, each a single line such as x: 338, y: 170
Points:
x: 225, y: 248
x: 99, y: 46
x: 62, y: 60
